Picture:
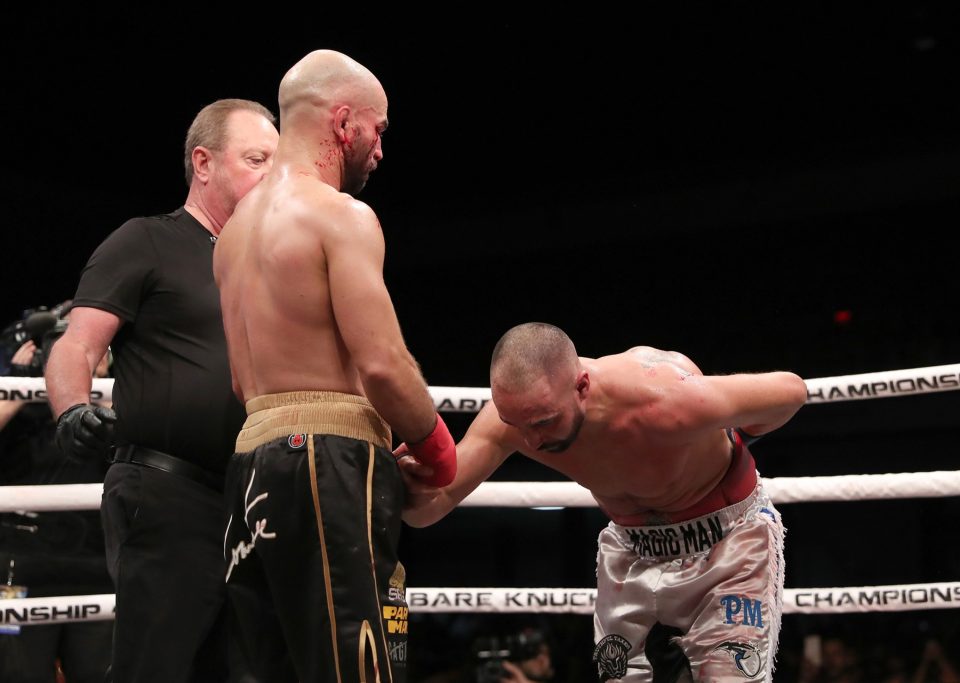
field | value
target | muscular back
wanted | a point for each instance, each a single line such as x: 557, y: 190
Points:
x: 272, y: 269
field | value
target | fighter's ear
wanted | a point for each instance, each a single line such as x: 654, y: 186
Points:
x: 583, y: 383
x: 341, y: 123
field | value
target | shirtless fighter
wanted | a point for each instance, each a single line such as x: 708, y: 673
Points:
x: 694, y: 551
x: 314, y: 493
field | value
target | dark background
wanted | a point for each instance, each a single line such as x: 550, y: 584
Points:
x: 719, y: 179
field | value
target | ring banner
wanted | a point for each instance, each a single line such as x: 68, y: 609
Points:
x: 860, y: 599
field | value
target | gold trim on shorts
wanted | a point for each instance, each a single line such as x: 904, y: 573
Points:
x: 327, y: 581
x: 273, y: 416
x: 366, y: 638
x: 373, y: 571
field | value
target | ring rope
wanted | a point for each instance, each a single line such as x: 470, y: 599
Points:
x: 859, y: 599
x: 526, y: 494
x: 897, y: 598
x: 470, y: 399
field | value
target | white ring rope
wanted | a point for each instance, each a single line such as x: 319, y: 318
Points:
x: 884, y: 384
x: 861, y: 599
x: 525, y: 494
x: 471, y: 399
x: 781, y: 490
x: 34, y: 389
x: 50, y: 497
x: 581, y: 600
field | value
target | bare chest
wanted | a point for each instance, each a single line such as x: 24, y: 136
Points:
x: 628, y: 471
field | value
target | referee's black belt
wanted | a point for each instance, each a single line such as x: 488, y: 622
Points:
x: 138, y: 455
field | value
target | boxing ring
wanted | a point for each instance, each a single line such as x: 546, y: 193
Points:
x: 782, y: 490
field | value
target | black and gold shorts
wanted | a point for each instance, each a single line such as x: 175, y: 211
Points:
x: 314, y: 498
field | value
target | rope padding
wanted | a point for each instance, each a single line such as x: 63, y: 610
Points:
x: 859, y: 599
x: 529, y: 494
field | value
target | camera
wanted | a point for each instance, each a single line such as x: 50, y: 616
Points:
x: 43, y: 326
x: 490, y: 653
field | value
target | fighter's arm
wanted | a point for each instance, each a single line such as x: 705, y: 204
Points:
x: 367, y: 322
x: 757, y: 403
x: 487, y: 443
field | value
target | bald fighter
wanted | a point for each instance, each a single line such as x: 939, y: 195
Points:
x: 314, y: 493
x: 694, y: 551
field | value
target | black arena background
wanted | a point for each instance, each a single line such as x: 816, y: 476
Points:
x: 759, y: 188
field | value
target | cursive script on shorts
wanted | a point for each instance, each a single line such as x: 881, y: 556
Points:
x: 258, y: 530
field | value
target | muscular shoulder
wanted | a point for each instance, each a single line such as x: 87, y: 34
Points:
x: 638, y: 370
x: 353, y: 218
x: 648, y: 385
x: 336, y: 214
x: 649, y: 357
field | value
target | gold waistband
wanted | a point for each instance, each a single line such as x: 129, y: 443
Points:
x: 273, y: 416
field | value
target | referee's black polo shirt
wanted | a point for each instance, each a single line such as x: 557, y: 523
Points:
x: 172, y: 391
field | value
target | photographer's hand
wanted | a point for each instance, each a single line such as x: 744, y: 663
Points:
x: 23, y: 356
x: 85, y: 431
x: 22, y: 360
x: 514, y: 673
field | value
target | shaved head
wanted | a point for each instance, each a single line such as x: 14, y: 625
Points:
x: 326, y: 78
x: 333, y: 111
x: 529, y: 352
x: 539, y: 387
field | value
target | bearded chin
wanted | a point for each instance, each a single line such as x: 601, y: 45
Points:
x: 353, y: 185
x: 561, y: 446
x: 353, y: 180
x: 355, y: 175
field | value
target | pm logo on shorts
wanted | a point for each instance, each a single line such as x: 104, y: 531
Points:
x: 610, y: 655
x: 746, y: 657
x: 296, y: 440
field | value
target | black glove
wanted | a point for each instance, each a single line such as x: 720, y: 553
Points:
x: 85, y: 431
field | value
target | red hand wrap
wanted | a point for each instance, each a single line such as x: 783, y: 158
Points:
x: 439, y: 452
